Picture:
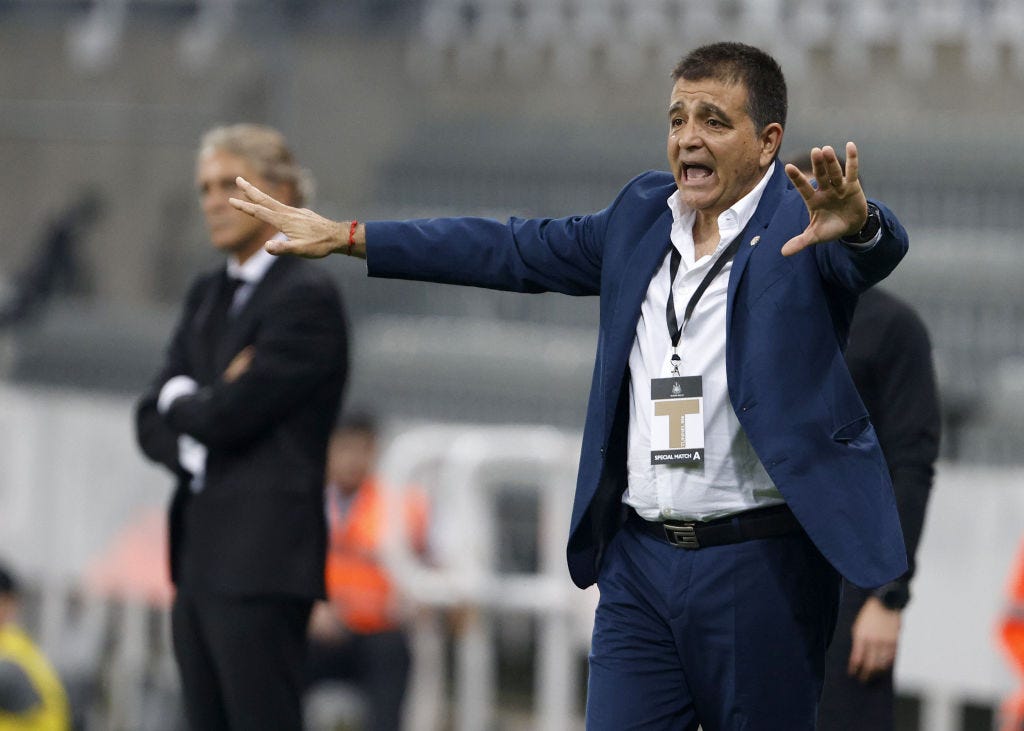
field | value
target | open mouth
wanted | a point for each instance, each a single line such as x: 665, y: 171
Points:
x: 696, y: 173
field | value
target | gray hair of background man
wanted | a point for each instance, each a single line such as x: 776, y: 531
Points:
x: 734, y: 63
x: 267, y: 151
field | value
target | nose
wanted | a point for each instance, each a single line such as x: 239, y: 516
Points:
x: 688, y: 137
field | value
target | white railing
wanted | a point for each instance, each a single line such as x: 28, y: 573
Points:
x: 463, y: 469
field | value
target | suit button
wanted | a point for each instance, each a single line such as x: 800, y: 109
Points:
x: 602, y: 451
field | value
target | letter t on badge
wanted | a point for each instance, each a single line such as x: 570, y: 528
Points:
x: 676, y: 412
x: 677, y: 421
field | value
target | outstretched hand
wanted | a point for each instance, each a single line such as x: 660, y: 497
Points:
x: 837, y: 205
x: 310, y: 235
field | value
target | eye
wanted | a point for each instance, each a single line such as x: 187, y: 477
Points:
x: 676, y: 122
x: 714, y: 123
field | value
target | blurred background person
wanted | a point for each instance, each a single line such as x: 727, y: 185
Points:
x: 55, y: 263
x: 32, y: 697
x: 1011, y: 633
x: 240, y: 413
x: 359, y: 635
x: 889, y: 355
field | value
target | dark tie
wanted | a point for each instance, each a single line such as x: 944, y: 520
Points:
x: 216, y: 325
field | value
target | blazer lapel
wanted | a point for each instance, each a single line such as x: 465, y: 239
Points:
x: 202, y: 360
x: 763, y: 215
x: 643, y: 262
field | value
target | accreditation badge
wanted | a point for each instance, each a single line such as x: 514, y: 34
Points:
x: 677, y: 424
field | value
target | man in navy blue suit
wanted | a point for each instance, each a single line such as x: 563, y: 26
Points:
x: 729, y: 473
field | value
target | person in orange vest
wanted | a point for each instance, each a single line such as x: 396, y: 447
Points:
x: 359, y: 635
x: 32, y: 697
x: 1011, y: 633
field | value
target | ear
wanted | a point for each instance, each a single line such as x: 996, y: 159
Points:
x: 771, y: 140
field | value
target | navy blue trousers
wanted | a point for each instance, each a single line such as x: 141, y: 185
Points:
x: 731, y: 638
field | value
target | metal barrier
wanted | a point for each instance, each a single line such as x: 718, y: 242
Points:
x: 462, y: 468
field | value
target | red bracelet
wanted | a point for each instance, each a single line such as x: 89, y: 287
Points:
x: 352, y: 236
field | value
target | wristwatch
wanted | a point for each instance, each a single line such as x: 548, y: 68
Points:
x: 894, y: 595
x: 870, y: 228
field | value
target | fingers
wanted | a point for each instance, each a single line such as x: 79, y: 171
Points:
x: 875, y: 665
x: 239, y: 364
x: 260, y: 205
x: 306, y: 250
x: 278, y: 247
x: 852, y: 163
x: 868, y: 659
x: 857, y: 658
x: 256, y: 211
x: 256, y: 195
x: 797, y: 244
x: 800, y: 181
x: 828, y: 170
x: 819, y: 167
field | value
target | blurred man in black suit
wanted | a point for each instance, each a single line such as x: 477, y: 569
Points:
x: 889, y: 355
x: 241, y: 412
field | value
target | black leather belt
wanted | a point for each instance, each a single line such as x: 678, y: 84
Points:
x: 777, y: 520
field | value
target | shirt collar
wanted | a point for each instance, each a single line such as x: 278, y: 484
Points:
x: 735, y: 217
x: 255, y: 267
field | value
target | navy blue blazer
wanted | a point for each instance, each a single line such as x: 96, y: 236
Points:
x: 787, y: 324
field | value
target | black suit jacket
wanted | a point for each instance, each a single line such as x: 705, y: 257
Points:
x: 257, y: 527
x: 890, y: 359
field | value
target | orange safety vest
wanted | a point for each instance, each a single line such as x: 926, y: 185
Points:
x: 1011, y: 632
x: 358, y: 586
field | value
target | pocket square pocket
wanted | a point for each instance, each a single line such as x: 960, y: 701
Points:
x: 851, y: 430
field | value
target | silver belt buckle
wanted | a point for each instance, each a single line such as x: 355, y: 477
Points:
x: 681, y: 535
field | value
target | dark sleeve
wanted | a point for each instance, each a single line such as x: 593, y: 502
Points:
x: 562, y: 255
x: 17, y: 694
x: 156, y: 438
x: 907, y: 418
x: 301, y: 343
x: 855, y: 270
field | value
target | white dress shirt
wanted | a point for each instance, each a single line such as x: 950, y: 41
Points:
x: 731, y: 478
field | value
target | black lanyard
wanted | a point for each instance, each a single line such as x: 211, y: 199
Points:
x: 675, y: 330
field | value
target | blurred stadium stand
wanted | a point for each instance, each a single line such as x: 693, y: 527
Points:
x: 405, y: 108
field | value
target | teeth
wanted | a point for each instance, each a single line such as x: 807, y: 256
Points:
x: 696, y: 172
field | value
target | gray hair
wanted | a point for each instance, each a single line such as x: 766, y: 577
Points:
x: 266, y: 150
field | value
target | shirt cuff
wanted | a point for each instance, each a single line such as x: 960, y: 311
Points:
x: 192, y: 455
x: 173, y: 390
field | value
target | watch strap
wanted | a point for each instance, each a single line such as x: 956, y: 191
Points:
x: 869, y: 230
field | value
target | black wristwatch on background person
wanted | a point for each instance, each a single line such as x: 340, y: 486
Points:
x: 869, y: 230
x: 894, y: 595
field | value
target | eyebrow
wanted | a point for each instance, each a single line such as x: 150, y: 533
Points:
x: 707, y: 109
